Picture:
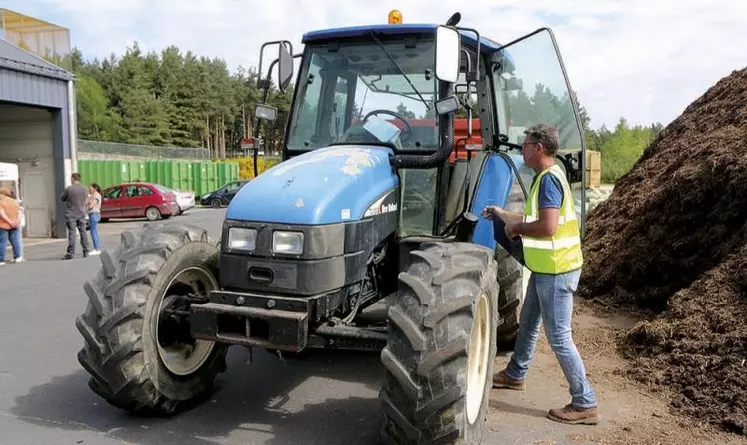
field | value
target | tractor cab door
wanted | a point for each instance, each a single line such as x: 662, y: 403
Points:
x: 531, y: 87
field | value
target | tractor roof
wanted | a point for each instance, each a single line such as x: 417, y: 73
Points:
x: 486, y: 45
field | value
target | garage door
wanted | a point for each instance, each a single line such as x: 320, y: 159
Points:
x: 26, y: 140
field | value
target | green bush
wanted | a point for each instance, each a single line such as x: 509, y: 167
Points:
x: 622, y: 148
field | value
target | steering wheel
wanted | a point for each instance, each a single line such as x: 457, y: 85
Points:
x: 406, y: 135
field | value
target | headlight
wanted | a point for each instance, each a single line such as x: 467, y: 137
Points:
x: 205, y: 196
x: 242, y: 239
x: 287, y: 242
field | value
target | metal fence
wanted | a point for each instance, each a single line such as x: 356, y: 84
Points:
x: 141, y: 151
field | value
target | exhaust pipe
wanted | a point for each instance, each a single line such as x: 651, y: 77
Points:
x: 446, y: 144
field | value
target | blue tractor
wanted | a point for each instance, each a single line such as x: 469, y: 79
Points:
x: 377, y: 203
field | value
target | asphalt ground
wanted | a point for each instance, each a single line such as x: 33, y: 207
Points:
x: 327, y: 398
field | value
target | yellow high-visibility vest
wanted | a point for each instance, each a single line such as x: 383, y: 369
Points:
x: 561, y: 252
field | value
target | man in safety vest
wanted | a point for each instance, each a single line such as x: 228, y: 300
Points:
x: 549, y: 232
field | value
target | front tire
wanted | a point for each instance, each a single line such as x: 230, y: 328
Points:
x: 441, y: 346
x: 136, y: 359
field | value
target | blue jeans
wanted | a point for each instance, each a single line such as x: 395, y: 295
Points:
x: 15, y: 240
x: 550, y: 300
x: 94, y: 219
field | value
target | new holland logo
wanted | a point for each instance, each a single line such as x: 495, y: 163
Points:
x: 391, y: 207
x: 379, y: 208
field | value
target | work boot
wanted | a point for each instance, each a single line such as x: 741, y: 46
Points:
x: 573, y: 415
x: 501, y: 380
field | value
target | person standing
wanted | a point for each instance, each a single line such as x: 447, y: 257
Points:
x: 18, y: 236
x: 10, y: 223
x: 94, y: 216
x: 551, y: 243
x: 75, y: 197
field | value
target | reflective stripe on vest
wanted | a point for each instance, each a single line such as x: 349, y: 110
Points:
x: 561, y: 252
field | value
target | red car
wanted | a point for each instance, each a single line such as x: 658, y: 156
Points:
x: 135, y: 200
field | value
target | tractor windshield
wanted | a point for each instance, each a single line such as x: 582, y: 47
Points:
x: 363, y: 93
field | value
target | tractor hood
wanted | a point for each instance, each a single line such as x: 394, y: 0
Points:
x: 325, y: 186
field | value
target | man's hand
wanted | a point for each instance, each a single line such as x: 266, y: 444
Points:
x: 491, y: 212
x: 512, y: 230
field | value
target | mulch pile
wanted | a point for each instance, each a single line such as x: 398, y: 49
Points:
x: 672, y: 240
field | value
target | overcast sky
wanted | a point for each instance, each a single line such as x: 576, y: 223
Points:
x: 645, y: 60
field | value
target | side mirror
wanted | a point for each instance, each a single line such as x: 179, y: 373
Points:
x: 266, y: 112
x: 448, y: 54
x: 285, y: 68
x: 447, y: 105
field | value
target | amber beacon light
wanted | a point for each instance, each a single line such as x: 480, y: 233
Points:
x: 395, y: 17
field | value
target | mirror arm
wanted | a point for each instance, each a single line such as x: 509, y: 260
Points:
x: 469, y: 64
x: 265, y: 85
x: 267, y: 81
x: 473, y: 76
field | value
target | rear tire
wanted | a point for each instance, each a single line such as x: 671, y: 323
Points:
x: 122, y: 351
x: 153, y: 214
x: 438, y: 368
x: 511, y: 282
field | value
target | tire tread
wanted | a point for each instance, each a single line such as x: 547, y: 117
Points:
x: 423, y: 396
x: 112, y: 324
x: 510, y: 278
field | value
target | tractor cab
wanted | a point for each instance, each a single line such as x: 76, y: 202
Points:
x: 379, y: 86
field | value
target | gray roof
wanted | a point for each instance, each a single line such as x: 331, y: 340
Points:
x: 14, y: 58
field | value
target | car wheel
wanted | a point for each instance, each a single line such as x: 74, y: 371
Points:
x: 215, y: 203
x: 152, y: 214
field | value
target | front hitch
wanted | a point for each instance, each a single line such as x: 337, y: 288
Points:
x: 174, y: 323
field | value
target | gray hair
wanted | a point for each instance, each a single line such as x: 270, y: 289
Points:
x: 547, y: 135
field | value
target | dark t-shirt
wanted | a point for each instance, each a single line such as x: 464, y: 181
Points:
x: 75, y: 201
